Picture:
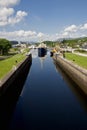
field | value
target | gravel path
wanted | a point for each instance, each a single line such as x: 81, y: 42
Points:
x: 81, y: 54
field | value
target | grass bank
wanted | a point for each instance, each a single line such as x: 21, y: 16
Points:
x: 7, y: 64
x: 79, y: 60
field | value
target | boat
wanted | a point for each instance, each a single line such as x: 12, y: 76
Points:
x: 42, y: 50
x: 51, y: 53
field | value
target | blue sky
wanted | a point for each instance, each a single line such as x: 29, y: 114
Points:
x: 35, y: 20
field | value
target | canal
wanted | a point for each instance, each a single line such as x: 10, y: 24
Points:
x: 49, y: 99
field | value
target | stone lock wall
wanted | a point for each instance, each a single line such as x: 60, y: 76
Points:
x: 76, y: 73
x: 11, y: 78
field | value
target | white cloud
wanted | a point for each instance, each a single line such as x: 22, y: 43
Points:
x: 8, y: 3
x: 19, y: 16
x: 84, y: 27
x: 9, y: 19
x: 5, y: 12
x: 72, y: 28
x: 18, y: 35
x: 8, y: 16
x: 26, y: 35
x: 40, y: 35
x: 29, y: 33
x: 65, y: 34
x: 22, y: 33
x: 73, y: 31
x: 34, y: 36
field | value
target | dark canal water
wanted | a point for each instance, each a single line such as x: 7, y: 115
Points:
x: 49, y: 100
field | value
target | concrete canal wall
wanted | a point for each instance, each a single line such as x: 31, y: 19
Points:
x: 15, y: 76
x: 75, y: 72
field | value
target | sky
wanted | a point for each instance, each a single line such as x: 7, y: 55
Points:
x: 39, y: 20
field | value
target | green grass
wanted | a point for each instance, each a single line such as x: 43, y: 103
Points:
x: 7, y: 65
x: 79, y: 60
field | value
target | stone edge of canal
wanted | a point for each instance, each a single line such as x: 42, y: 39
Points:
x: 11, y: 77
x: 75, y: 72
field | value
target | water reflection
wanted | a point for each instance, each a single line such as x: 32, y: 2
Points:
x: 74, y: 87
x: 34, y: 53
x: 39, y: 54
x: 42, y: 56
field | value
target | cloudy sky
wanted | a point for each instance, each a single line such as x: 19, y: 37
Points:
x: 36, y: 20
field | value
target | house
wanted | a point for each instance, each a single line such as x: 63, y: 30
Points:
x: 84, y: 45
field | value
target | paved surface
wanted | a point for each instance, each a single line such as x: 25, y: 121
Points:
x: 81, y: 54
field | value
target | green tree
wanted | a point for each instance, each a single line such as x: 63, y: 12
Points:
x: 5, y: 45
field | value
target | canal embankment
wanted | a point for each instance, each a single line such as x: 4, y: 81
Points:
x: 75, y: 72
x: 13, y: 78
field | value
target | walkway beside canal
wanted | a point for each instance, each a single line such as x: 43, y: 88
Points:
x: 81, y: 54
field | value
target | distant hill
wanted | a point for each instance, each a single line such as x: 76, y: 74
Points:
x: 14, y: 42
x: 74, y: 42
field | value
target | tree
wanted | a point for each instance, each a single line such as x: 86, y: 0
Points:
x: 49, y: 43
x: 5, y: 45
